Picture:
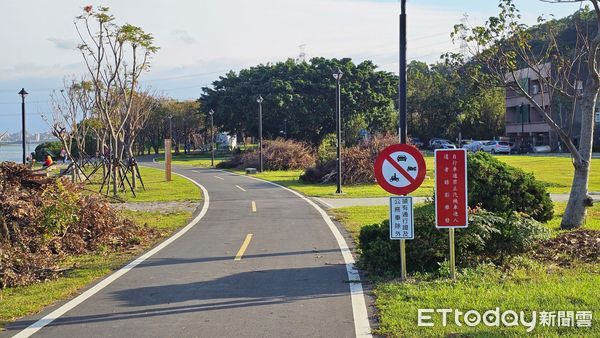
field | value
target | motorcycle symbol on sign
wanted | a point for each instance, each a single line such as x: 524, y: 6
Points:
x: 394, y: 178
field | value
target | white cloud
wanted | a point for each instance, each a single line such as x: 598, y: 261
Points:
x: 183, y: 36
x: 63, y: 43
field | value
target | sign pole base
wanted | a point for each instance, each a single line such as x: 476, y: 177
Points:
x: 403, y: 259
x: 452, y: 255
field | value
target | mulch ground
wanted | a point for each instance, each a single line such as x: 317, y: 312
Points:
x: 570, y: 247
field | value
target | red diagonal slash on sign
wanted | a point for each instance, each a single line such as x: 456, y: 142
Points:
x: 402, y: 171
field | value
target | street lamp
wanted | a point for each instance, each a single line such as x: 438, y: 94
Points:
x: 259, y: 99
x: 170, y: 117
x: 23, y: 93
x: 337, y: 75
x: 522, y: 125
x: 212, y: 140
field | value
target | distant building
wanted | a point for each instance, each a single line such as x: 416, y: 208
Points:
x: 525, y: 124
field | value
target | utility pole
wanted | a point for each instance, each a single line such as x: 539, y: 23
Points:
x: 212, y: 139
x: 259, y: 99
x: 402, y: 133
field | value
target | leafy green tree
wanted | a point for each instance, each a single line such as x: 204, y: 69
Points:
x: 301, y: 96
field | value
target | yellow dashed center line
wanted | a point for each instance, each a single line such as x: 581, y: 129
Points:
x: 253, y: 206
x: 242, y: 189
x: 243, y: 248
x: 221, y: 178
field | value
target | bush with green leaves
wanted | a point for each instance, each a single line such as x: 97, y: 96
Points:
x: 501, y: 188
x: 490, y: 237
x: 48, y: 148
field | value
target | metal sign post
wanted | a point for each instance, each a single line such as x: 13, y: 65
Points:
x: 451, y: 203
x: 400, y: 169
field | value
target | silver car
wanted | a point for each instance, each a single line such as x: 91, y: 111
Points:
x: 496, y: 147
x: 474, y: 146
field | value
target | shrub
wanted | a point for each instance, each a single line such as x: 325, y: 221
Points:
x: 327, y: 149
x: 490, y: 237
x: 48, y: 148
x: 278, y: 154
x: 500, y: 188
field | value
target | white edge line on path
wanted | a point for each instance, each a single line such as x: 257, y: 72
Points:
x: 359, y: 307
x: 49, y: 318
x: 329, y: 205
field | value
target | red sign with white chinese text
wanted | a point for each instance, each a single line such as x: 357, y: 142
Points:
x: 451, y: 208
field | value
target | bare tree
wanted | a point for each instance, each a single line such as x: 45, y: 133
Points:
x: 503, y: 55
x: 115, y: 57
x: 71, y: 109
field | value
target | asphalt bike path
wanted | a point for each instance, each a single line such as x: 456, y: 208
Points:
x: 261, y: 262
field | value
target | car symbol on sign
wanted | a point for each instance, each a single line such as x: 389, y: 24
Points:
x: 401, y: 158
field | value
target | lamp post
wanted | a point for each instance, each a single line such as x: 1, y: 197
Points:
x: 212, y: 139
x: 337, y: 75
x: 522, y: 125
x: 23, y: 93
x: 259, y: 99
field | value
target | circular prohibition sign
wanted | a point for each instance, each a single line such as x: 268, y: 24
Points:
x: 400, y: 169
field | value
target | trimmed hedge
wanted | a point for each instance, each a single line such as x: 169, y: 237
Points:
x: 501, y: 188
x: 490, y: 237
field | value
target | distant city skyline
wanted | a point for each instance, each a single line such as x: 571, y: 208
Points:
x: 202, y: 40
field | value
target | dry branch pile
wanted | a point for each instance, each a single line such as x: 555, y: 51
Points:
x: 357, y: 163
x: 42, y: 220
x: 278, y: 154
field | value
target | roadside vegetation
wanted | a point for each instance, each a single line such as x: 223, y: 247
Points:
x: 505, y: 259
x: 56, y: 238
x: 157, y: 189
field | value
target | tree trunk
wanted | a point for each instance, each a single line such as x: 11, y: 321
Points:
x: 579, y: 199
x: 115, y: 164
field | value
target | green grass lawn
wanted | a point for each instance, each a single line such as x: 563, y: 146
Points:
x: 157, y: 188
x: 532, y: 287
x: 291, y: 180
x: 194, y: 160
x: 555, y: 172
x: 21, y: 301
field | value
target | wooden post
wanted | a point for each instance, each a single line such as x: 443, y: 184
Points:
x: 168, y: 159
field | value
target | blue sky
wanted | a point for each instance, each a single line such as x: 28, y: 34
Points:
x: 201, y: 40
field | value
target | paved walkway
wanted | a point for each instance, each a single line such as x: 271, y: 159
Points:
x: 332, y: 203
x: 292, y: 276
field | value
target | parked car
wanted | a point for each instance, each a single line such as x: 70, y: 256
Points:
x: 442, y: 144
x: 436, y: 140
x: 473, y: 146
x: 524, y: 148
x: 496, y: 147
x: 415, y: 141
